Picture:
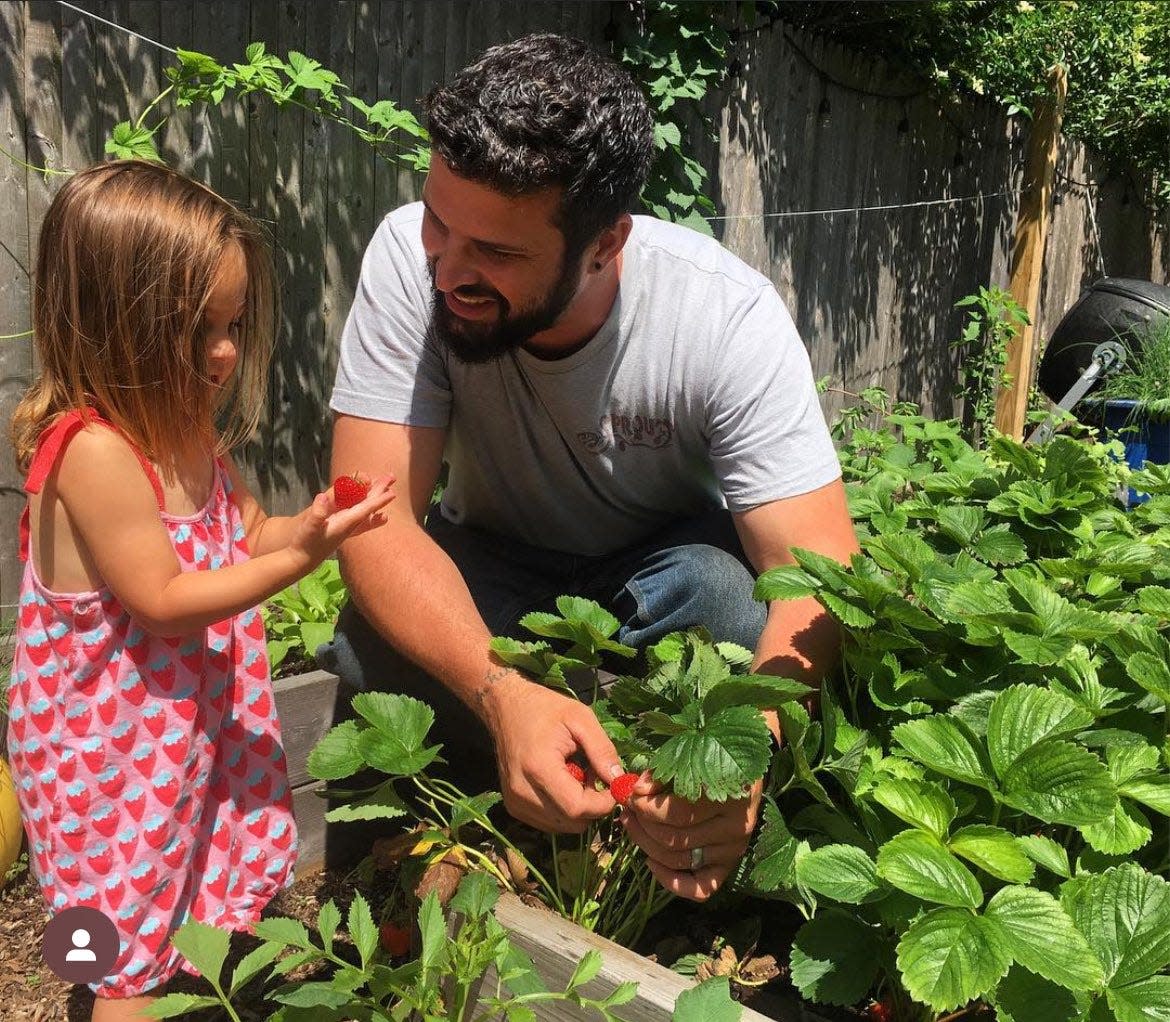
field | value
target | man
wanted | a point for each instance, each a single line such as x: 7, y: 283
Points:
x: 627, y: 413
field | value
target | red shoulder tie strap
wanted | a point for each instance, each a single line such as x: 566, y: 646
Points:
x: 49, y: 447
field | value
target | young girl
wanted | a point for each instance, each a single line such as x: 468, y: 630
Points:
x: 142, y: 731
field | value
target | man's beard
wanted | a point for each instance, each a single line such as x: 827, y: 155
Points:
x: 476, y: 341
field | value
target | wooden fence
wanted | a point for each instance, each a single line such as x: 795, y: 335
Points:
x: 802, y: 126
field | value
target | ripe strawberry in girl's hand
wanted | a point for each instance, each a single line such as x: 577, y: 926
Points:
x: 348, y: 491
x: 622, y: 787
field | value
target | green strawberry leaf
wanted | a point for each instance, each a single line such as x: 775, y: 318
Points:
x: 1154, y: 600
x: 835, y: 958
x: 945, y: 746
x: 1124, y: 914
x: 787, y: 582
x: 1023, y: 715
x: 1153, y: 791
x: 1151, y: 672
x: 337, y: 754
x: 841, y: 872
x: 255, y: 962
x: 1047, y: 853
x: 1147, y: 1000
x: 951, y: 956
x: 1059, y: 782
x: 759, y: 690
x: 1043, y: 938
x: 773, y: 865
x: 919, y: 803
x: 204, y: 946
x: 1022, y: 996
x: 362, y: 929
x: 919, y: 864
x: 172, y: 1005
x: 710, y: 1001
x: 382, y: 804
x: 1122, y: 832
x: 719, y: 758
x: 994, y: 850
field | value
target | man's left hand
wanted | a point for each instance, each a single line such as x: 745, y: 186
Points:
x: 669, y: 829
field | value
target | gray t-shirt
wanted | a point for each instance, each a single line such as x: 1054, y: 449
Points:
x: 696, y: 393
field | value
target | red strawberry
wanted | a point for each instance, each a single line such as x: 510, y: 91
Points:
x: 42, y: 717
x: 95, y: 758
x: 68, y: 870
x: 174, y: 854
x: 576, y: 771
x: 100, y: 858
x: 154, y: 719
x: 880, y: 1011
x: 77, y: 796
x: 35, y: 754
x: 282, y: 835
x: 259, y: 826
x: 394, y: 938
x: 107, y: 706
x: 217, y: 883
x: 78, y: 717
x: 185, y: 708
x: 262, y: 744
x: 155, y: 832
x: 127, y: 843
x: 259, y: 702
x: 88, y: 896
x: 111, y: 781
x: 254, y: 626
x: 135, y: 802
x: 124, y: 741
x: 165, y: 899
x: 621, y: 788
x: 105, y: 820
x: 67, y: 766
x: 74, y: 839
x: 262, y: 787
x: 115, y: 890
x: 348, y: 491
x: 166, y: 788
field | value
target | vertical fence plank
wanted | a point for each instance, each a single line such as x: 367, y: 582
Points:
x: 391, y: 54
x: 15, y: 270
x: 80, y: 145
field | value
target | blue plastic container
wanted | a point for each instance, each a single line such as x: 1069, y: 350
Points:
x: 1145, y: 439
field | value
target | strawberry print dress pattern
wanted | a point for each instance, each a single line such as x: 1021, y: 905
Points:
x: 150, y: 771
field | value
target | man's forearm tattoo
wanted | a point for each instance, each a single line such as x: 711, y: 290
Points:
x: 493, y: 675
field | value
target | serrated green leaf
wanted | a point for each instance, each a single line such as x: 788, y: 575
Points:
x: 921, y: 804
x: 1124, y: 913
x: 282, y: 930
x: 1124, y: 831
x: 710, y: 1001
x: 204, y: 946
x: 773, y: 864
x: 362, y: 930
x: 835, y: 958
x: 395, y: 742
x: 312, y: 995
x: 960, y: 522
x: 587, y: 969
x: 919, y: 864
x: 1059, y: 782
x: 253, y: 963
x: 328, y: 919
x: 384, y: 803
x: 1147, y: 1000
x: 840, y: 872
x: 1047, y: 853
x: 1043, y: 938
x: 787, y: 582
x: 476, y: 895
x: 1023, y: 715
x: 1022, y: 996
x: 434, y: 933
x: 1000, y: 546
x: 759, y: 690
x: 719, y: 759
x: 1038, y: 650
x: 994, y: 850
x: 944, y: 746
x: 1153, y: 791
x: 337, y: 754
x: 951, y: 956
x: 1154, y: 600
x: 172, y: 1005
x: 1152, y: 673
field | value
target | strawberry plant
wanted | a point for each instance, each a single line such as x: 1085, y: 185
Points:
x: 302, y: 617
x: 445, y: 982
x: 695, y: 721
x: 979, y: 811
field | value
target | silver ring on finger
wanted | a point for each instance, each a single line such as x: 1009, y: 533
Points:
x: 698, y: 857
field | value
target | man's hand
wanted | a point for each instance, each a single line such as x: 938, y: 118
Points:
x: 668, y: 829
x: 536, y: 731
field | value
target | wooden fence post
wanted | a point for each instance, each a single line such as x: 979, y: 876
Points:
x: 1027, y: 264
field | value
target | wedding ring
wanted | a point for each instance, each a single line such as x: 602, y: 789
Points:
x: 697, y: 857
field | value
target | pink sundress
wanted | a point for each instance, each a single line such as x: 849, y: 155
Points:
x: 150, y: 771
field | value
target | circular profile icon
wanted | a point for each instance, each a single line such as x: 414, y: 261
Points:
x: 81, y: 945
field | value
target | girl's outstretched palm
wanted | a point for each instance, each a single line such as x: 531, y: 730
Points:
x: 322, y: 527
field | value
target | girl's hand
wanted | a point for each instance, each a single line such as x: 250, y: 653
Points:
x: 322, y: 527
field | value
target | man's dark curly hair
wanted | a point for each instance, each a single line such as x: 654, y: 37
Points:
x: 543, y: 111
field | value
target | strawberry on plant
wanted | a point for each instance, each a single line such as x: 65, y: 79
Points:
x: 880, y: 1011
x: 576, y: 771
x: 621, y: 788
x: 348, y: 491
x: 394, y: 938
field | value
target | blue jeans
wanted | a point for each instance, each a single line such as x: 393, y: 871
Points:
x: 692, y: 573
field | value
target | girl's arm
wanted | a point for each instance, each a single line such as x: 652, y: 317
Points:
x: 265, y: 533
x: 112, y: 507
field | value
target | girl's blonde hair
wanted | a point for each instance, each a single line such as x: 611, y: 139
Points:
x: 129, y: 252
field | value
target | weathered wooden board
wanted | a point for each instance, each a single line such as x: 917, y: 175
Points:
x: 304, y: 705
x: 556, y: 946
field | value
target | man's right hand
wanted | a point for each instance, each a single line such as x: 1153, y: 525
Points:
x: 536, y: 732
